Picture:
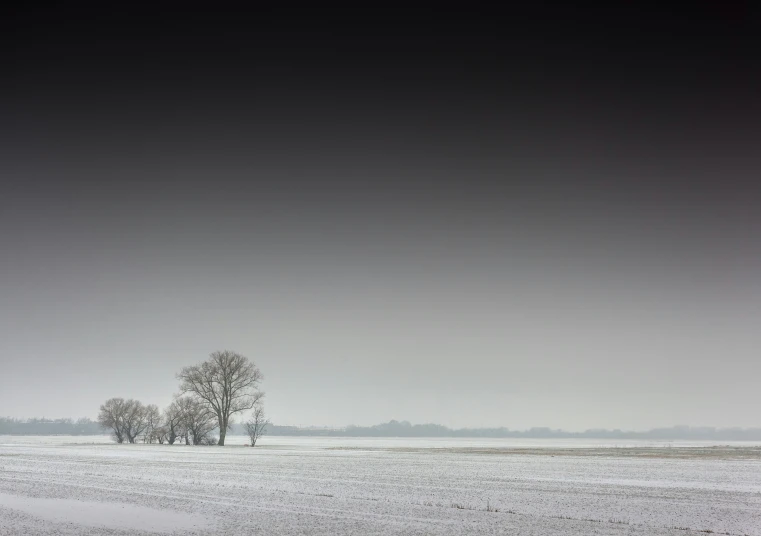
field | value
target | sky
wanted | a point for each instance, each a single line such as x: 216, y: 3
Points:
x: 545, y: 218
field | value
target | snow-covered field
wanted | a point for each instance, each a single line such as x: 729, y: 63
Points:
x: 294, y: 485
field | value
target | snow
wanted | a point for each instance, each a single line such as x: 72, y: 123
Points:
x: 303, y: 485
x: 103, y: 514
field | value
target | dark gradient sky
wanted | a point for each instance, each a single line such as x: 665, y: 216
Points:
x: 536, y: 219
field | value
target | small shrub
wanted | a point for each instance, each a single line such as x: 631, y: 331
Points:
x: 209, y: 441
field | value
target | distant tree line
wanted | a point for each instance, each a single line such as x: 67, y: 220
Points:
x: 210, y: 394
x: 176, y: 430
x: 405, y: 429
x: 43, y: 426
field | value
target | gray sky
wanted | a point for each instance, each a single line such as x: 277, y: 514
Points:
x: 472, y: 249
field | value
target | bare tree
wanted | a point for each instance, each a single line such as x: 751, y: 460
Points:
x: 161, y: 434
x: 111, y: 417
x: 173, y: 422
x: 152, y: 423
x: 127, y: 419
x: 227, y: 383
x: 257, y: 424
x: 135, y: 419
x: 197, y: 419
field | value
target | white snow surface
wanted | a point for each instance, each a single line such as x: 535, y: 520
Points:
x: 119, y: 515
x: 304, y: 485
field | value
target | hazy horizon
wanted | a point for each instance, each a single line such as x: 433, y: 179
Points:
x: 311, y: 426
x: 466, y: 222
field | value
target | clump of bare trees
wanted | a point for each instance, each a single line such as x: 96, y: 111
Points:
x: 211, y: 393
x: 197, y: 420
x: 153, y: 424
x: 111, y: 417
x: 129, y: 419
x: 174, y: 423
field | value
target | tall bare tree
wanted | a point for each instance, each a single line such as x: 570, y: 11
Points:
x: 256, y: 425
x: 111, y: 417
x: 227, y: 383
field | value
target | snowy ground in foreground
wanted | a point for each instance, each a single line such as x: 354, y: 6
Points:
x: 72, y: 486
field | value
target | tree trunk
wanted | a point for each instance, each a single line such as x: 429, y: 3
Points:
x: 172, y: 437
x: 222, y: 432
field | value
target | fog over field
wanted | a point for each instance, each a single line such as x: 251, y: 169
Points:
x: 379, y: 271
